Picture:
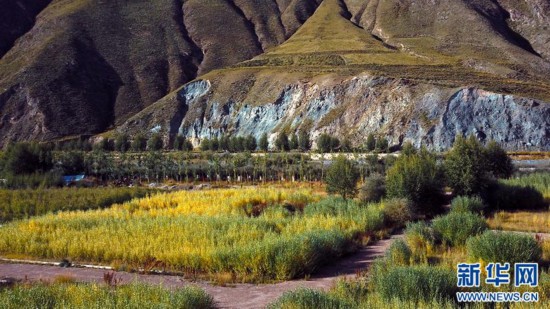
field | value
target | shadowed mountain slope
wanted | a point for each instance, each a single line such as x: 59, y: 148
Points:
x: 72, y: 67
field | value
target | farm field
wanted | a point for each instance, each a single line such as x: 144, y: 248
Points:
x: 248, y: 234
x: 26, y: 203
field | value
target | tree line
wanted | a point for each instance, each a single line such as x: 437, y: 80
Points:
x: 284, y: 142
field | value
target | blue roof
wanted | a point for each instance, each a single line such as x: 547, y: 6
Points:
x: 73, y: 178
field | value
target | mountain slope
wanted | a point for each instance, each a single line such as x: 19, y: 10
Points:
x: 85, y: 65
x: 391, y: 67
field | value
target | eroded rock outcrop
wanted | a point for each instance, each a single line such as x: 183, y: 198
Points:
x: 401, y: 110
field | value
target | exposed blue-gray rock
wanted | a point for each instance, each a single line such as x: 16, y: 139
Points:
x: 353, y: 107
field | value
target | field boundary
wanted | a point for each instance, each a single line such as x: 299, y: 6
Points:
x: 226, y: 296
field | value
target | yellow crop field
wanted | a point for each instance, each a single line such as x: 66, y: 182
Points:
x: 255, y: 234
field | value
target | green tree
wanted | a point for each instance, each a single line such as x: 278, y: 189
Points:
x: 214, y: 144
x: 498, y: 161
x: 139, y: 143
x: 26, y: 158
x: 72, y: 162
x: 371, y: 142
x: 342, y: 177
x: 122, y: 143
x: 179, y: 142
x: 324, y: 143
x: 294, y: 144
x: 205, y: 144
x: 466, y: 167
x: 282, y: 142
x: 264, y: 143
x: 104, y: 144
x: 418, y: 178
x: 251, y: 143
x: 224, y: 143
x: 346, y: 145
x: 408, y: 149
x: 155, y: 143
x: 304, y: 141
x: 382, y: 145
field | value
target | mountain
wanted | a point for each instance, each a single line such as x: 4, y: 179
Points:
x: 73, y: 67
x: 410, y: 70
x: 419, y: 71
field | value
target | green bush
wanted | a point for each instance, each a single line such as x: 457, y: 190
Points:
x: 308, y: 298
x: 397, y: 212
x: 504, y: 247
x: 455, y: 228
x: 467, y: 204
x: 420, y: 237
x: 414, y: 283
x: 374, y: 189
x: 399, y: 253
x: 417, y: 178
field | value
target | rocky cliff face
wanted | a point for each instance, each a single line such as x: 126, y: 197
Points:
x: 352, y: 108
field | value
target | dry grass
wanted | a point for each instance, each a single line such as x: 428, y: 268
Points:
x: 535, y: 222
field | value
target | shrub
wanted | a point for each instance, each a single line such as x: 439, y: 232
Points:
x: 421, y: 238
x: 353, y: 290
x: 415, y: 283
x: 455, y: 228
x: 399, y: 253
x: 467, y: 204
x: 504, y: 247
x: 308, y: 298
x: 417, y: 178
x: 374, y: 189
x: 397, y: 212
x: 501, y: 196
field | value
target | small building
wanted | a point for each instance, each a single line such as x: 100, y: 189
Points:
x: 71, y: 179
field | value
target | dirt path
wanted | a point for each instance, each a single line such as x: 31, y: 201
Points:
x: 235, y: 296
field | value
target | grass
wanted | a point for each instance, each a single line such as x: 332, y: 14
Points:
x: 539, y: 181
x: 250, y: 234
x: 525, y: 221
x: 64, y: 295
x: 534, y: 222
x: 22, y: 204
